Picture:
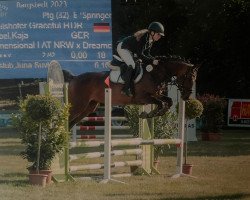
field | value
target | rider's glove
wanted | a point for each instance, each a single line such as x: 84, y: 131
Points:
x: 155, y: 62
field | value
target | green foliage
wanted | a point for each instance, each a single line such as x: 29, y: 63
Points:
x: 41, y: 108
x: 193, y: 108
x: 212, y: 32
x: 213, y: 114
x: 132, y: 114
x: 164, y: 126
x: 52, y: 118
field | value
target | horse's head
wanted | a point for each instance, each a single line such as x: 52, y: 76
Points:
x: 185, y: 79
x: 174, y: 66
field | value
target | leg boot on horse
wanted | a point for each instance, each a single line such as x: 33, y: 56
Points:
x: 127, y: 89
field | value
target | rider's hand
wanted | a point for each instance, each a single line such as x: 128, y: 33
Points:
x: 155, y: 62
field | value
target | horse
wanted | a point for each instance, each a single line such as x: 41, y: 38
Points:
x: 86, y: 91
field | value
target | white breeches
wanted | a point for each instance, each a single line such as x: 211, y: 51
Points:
x: 126, y: 55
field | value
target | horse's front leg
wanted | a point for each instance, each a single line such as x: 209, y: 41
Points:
x: 166, y: 105
x: 163, y: 105
x: 153, y: 113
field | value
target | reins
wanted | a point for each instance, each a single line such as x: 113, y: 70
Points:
x: 179, y: 82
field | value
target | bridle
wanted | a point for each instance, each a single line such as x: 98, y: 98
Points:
x: 180, y: 81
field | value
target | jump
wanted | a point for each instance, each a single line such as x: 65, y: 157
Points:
x: 86, y: 91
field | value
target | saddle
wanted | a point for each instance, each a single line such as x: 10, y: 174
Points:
x: 118, y: 68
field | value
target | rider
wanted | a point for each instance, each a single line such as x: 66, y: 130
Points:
x: 138, y: 45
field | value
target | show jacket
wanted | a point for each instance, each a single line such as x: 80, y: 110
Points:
x: 139, y: 46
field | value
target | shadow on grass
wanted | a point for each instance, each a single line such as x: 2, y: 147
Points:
x: 220, y: 148
x: 15, y: 179
x: 16, y: 183
x: 8, y: 132
x: 232, y: 144
x: 9, y: 175
x: 11, y: 150
x: 219, y: 197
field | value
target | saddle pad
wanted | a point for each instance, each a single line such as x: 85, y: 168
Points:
x: 115, y: 76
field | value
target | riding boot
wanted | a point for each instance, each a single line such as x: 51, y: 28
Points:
x: 128, y: 78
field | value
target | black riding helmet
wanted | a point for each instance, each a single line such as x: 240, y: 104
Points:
x: 156, y: 27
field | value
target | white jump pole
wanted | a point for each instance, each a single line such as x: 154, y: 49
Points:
x: 181, y: 130
x: 107, y: 137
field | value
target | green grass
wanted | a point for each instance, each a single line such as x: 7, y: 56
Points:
x: 222, y: 171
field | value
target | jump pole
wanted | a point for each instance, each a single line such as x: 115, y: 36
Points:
x: 181, y: 131
x: 181, y: 127
x: 107, y: 138
x: 145, y: 132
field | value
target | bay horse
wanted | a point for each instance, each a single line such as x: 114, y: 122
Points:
x: 86, y: 91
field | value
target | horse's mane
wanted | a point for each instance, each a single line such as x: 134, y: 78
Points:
x: 68, y: 76
x: 172, y: 58
x: 168, y: 66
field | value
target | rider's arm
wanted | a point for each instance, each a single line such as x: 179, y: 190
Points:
x: 138, y: 47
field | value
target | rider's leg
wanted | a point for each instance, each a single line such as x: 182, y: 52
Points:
x: 126, y: 55
x: 128, y: 79
x: 128, y: 59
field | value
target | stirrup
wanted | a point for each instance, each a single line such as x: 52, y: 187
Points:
x: 127, y: 92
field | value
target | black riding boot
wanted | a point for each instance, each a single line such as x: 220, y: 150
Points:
x: 128, y: 78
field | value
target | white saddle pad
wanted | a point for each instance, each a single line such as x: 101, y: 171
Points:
x: 115, y: 74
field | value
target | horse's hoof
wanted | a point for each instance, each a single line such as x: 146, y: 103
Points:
x: 143, y: 115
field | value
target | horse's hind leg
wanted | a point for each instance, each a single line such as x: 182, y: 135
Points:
x: 153, y: 113
x: 91, y: 107
x: 75, y: 113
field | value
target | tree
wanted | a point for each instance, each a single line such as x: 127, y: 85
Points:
x: 212, y: 32
x: 217, y: 35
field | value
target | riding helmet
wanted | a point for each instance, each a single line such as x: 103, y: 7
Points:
x: 156, y: 27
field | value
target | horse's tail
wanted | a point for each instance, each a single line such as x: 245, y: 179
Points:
x: 68, y: 76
